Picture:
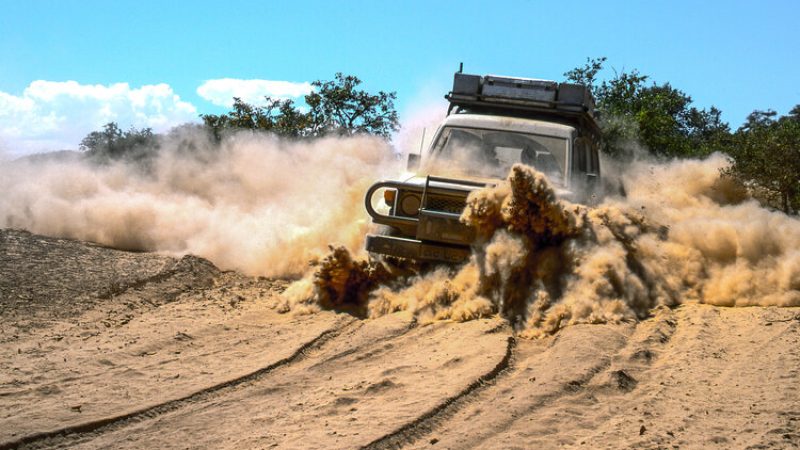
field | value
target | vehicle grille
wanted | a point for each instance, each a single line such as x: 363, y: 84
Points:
x: 446, y: 204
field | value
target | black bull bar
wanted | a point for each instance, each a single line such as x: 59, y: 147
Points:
x: 432, y: 235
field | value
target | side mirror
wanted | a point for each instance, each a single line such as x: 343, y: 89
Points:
x: 413, y: 162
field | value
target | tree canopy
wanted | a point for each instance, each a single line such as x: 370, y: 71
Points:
x: 113, y: 143
x: 334, y: 107
x: 764, y: 152
x: 765, y: 157
x: 658, y: 116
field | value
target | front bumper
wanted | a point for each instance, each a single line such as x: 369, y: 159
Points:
x: 416, y: 249
x: 435, y: 232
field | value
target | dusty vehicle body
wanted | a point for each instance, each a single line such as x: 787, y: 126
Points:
x: 492, y: 123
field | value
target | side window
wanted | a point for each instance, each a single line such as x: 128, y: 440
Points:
x: 594, y: 160
x: 579, y: 162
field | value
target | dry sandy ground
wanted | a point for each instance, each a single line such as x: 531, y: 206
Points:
x: 107, y: 349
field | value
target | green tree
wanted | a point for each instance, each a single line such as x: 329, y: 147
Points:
x: 113, y: 143
x: 658, y: 116
x: 765, y: 157
x: 335, y: 107
x: 339, y: 107
x: 277, y: 116
x: 758, y: 119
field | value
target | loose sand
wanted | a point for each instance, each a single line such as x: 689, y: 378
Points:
x: 101, y: 348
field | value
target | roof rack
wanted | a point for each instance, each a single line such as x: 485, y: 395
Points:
x: 524, y: 97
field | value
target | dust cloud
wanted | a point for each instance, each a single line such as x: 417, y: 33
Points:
x: 682, y: 234
x: 256, y: 203
x: 267, y: 206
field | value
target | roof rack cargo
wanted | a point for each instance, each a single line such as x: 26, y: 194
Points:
x: 526, y: 96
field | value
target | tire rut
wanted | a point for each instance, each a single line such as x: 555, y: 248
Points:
x: 661, y: 333
x: 353, y: 350
x: 107, y: 424
x: 425, y: 424
x: 570, y: 388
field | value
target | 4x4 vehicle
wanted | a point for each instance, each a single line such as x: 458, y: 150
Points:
x: 492, y: 123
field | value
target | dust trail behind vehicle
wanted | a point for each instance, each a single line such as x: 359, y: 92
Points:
x: 256, y: 203
x: 267, y: 207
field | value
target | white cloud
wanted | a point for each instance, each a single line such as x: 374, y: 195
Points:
x: 52, y: 115
x: 221, y: 91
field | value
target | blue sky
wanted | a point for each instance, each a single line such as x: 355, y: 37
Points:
x: 141, y: 62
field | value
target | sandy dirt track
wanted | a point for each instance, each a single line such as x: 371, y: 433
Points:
x: 107, y: 349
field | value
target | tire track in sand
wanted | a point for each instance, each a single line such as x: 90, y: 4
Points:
x: 425, y: 423
x: 606, y: 373
x: 106, y: 424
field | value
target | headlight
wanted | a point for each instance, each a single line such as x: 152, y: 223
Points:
x: 409, y: 204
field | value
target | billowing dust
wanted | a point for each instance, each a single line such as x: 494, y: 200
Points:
x: 256, y: 203
x: 682, y: 234
x: 267, y: 206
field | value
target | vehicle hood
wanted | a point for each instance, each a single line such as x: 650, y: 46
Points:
x: 420, y: 179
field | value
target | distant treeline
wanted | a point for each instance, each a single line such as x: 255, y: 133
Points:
x: 764, y: 152
x: 335, y: 107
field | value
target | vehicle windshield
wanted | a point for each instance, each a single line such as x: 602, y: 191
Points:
x: 491, y: 153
